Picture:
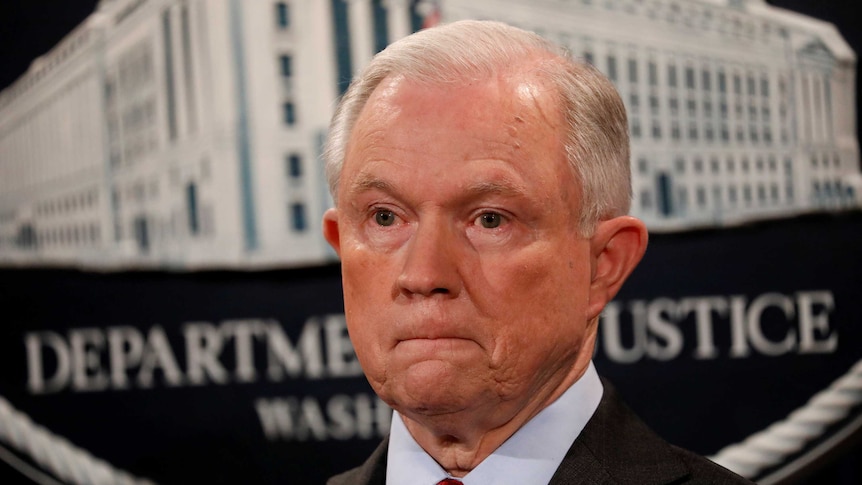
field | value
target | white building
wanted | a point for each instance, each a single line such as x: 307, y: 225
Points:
x: 180, y: 133
x: 737, y: 109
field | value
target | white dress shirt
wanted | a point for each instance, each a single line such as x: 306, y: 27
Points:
x: 531, y: 455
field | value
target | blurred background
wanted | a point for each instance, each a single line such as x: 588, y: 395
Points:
x: 172, y: 313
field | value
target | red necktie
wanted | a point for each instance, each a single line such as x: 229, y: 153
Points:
x: 449, y: 481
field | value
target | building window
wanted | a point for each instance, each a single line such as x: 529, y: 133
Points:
x: 297, y: 217
x: 653, y: 74
x: 192, y: 208
x: 170, y: 93
x: 289, y: 113
x: 706, y: 80
x: 689, y: 78
x: 646, y: 199
x: 682, y: 195
x: 282, y: 15
x: 643, y: 165
x: 680, y: 165
x: 671, y: 76
x: 633, y: 71
x: 294, y: 166
x: 612, y: 68
x: 701, y: 197
x: 381, y: 20
x: 286, y: 63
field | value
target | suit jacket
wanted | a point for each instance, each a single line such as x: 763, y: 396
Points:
x: 615, y: 447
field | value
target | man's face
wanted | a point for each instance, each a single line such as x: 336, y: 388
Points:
x: 466, y: 283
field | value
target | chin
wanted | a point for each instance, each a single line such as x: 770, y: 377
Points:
x: 429, y: 394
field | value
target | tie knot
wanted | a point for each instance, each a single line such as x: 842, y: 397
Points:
x: 449, y: 481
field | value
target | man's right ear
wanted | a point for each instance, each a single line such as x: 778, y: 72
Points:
x: 330, y: 229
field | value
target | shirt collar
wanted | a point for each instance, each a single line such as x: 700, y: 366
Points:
x: 531, y: 455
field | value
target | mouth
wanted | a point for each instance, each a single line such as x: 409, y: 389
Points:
x: 435, y: 345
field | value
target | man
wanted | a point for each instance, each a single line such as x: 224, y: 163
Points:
x: 481, y: 181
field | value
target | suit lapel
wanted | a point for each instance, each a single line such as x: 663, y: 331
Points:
x: 616, y: 447
x: 372, y: 472
x: 581, y: 467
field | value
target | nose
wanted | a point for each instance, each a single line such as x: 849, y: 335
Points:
x: 432, y: 261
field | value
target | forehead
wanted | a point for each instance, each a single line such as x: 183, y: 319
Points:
x: 520, y: 93
x: 506, y: 115
x: 502, y: 135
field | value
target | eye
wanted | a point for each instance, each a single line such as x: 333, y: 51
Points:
x: 490, y: 220
x: 384, y: 217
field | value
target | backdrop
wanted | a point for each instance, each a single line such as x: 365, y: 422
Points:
x: 740, y: 343
x: 248, y: 377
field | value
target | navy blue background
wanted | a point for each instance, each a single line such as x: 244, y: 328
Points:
x: 210, y: 433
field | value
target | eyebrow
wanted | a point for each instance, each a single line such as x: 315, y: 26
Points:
x: 496, y: 188
x: 365, y: 182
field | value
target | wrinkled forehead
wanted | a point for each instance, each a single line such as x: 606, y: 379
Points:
x: 523, y: 94
x: 513, y: 120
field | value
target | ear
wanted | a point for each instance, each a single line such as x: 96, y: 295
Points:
x: 617, y: 246
x: 330, y: 229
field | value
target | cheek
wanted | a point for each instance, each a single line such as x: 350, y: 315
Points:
x: 541, y: 296
x: 365, y: 292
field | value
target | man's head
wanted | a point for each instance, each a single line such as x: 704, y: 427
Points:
x: 480, y: 179
x: 596, y: 131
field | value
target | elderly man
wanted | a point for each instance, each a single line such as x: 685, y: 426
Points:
x: 481, y: 181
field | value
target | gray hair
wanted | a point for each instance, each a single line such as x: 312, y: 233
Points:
x: 597, y: 140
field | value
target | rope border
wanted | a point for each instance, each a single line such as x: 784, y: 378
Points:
x: 771, y: 446
x: 56, y: 454
x: 748, y: 458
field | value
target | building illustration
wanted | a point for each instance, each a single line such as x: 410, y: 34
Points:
x: 186, y: 133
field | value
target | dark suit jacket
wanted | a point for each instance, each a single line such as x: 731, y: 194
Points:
x: 615, y: 447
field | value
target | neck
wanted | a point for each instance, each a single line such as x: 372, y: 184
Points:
x: 460, y: 441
